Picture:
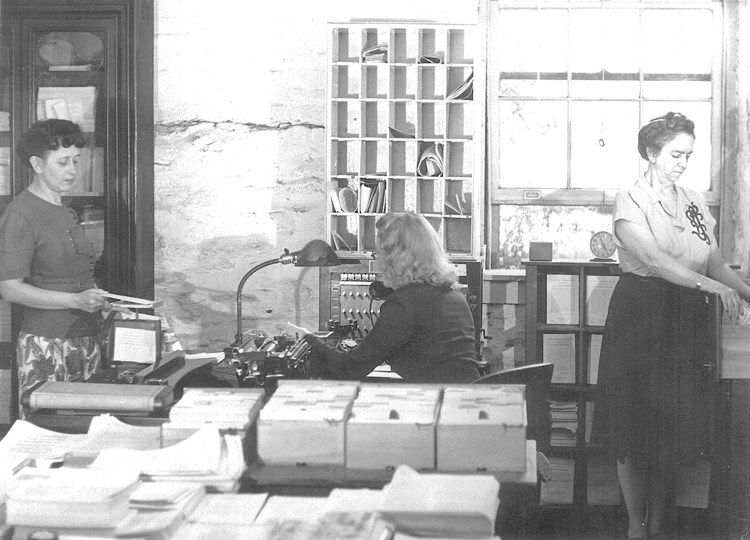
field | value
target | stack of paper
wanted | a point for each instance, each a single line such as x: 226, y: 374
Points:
x: 74, y: 103
x: 441, y: 505
x: 105, y: 431
x: 465, y: 90
x: 431, y: 160
x: 207, y: 457
x: 304, y: 422
x: 564, y: 423
x: 223, y: 408
x: 69, y: 498
x: 376, y: 53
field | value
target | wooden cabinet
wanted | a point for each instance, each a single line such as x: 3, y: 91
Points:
x: 405, y: 131
x: 566, y: 307
x: 90, y: 62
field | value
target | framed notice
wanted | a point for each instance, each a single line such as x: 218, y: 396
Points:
x: 136, y: 340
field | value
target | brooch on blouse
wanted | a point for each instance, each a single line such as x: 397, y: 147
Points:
x: 695, y: 216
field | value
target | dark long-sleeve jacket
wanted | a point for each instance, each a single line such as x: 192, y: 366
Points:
x: 425, y: 333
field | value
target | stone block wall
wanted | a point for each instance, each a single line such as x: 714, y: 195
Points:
x: 240, y: 109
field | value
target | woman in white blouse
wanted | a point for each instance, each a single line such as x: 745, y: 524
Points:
x: 652, y: 401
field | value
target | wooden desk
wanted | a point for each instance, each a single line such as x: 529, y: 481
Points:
x: 261, y: 477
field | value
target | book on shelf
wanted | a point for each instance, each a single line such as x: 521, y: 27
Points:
x: 465, y: 90
x: 460, y: 205
x: 372, y: 196
x: 339, y: 243
x: 335, y: 202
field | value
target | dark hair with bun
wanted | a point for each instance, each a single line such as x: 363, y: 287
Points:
x: 661, y: 130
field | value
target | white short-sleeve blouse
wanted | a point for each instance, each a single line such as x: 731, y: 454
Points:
x: 687, y: 236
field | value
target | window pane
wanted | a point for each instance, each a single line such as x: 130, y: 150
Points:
x: 541, y: 35
x: 677, y: 41
x: 599, y: 40
x: 533, y: 144
x: 569, y: 227
x: 698, y: 174
x: 533, y: 88
x: 604, y: 150
x: 598, y: 89
x: 671, y: 89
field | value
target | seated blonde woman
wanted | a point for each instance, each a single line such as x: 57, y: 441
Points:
x: 425, y: 330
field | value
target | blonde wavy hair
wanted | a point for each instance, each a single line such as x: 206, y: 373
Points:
x: 409, y: 251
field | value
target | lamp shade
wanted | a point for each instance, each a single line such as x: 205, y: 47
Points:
x: 316, y: 253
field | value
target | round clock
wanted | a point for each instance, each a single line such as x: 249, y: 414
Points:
x: 603, y: 245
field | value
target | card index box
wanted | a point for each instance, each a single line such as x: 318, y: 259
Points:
x: 392, y: 425
x: 304, y: 423
x: 482, y: 427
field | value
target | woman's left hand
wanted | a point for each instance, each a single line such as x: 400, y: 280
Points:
x: 730, y: 299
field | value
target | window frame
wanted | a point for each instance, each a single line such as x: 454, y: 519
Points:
x: 571, y: 196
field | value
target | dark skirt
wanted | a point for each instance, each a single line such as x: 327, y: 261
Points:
x: 653, y: 392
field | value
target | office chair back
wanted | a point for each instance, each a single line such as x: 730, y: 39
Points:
x: 537, y: 378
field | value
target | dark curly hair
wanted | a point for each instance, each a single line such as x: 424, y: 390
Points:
x: 660, y: 131
x: 47, y: 136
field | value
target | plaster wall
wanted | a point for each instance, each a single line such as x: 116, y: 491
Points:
x: 240, y: 106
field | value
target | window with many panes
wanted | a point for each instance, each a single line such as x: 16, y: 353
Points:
x: 570, y: 83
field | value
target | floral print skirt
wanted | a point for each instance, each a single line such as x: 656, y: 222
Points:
x: 55, y: 359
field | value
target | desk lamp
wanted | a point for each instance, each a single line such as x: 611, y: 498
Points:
x: 314, y: 253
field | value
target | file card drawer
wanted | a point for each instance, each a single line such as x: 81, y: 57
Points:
x: 304, y: 422
x: 482, y: 427
x: 392, y: 425
x: 735, y: 352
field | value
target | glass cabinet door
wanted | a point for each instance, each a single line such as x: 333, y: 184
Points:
x: 71, y: 79
x: 91, y: 62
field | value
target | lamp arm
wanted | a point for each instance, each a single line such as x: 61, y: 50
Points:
x: 238, y: 337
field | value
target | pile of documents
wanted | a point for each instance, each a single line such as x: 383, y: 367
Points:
x: 564, y: 423
x: 206, y: 457
x: 74, y: 103
x: 376, y: 53
x: 441, y: 505
x: 465, y: 90
x: 77, y: 501
x: 105, y: 431
x: 85, y: 503
x: 431, y: 160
